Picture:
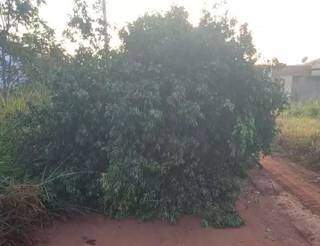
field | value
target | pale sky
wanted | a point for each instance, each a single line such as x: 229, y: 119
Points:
x: 286, y: 29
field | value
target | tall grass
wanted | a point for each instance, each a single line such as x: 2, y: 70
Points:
x: 20, y: 97
x: 21, y: 204
x: 15, y: 103
x: 299, y: 135
x: 309, y: 109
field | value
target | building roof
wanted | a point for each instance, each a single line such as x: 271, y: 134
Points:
x: 313, y: 62
x: 293, y: 70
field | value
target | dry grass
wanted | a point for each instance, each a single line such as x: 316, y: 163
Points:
x: 299, y: 139
x: 21, y: 210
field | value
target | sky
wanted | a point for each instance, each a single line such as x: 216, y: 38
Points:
x: 286, y: 29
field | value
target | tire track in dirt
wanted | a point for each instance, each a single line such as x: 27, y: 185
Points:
x: 296, y: 190
x: 296, y: 180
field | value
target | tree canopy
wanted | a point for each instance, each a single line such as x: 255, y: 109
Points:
x: 165, y: 125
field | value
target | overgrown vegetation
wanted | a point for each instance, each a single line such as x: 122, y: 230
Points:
x: 299, y: 134
x: 22, y: 209
x: 22, y: 205
x: 165, y: 125
x: 309, y: 109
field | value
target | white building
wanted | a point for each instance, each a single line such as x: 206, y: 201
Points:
x: 301, y: 82
x: 315, y: 67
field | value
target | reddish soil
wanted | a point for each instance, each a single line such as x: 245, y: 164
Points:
x: 302, y: 183
x: 280, y: 207
x: 300, y: 195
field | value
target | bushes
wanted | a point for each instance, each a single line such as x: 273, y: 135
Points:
x: 194, y: 116
x: 21, y: 204
x: 133, y: 191
x: 166, y: 130
x: 18, y: 103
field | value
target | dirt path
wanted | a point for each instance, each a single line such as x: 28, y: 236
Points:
x: 298, y: 195
x: 279, y: 207
x: 302, y: 183
x: 265, y: 226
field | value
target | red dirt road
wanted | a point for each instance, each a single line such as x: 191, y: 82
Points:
x: 302, y: 183
x: 300, y: 195
x: 279, y: 207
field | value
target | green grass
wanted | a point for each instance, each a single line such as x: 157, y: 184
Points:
x: 299, y: 136
x: 16, y: 102
x: 19, y: 98
x: 309, y: 109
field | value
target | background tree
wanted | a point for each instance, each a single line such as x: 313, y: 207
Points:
x: 87, y: 27
x: 26, y: 43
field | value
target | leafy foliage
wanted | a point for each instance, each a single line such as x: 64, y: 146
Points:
x: 87, y: 26
x: 17, y: 103
x: 27, y: 45
x: 165, y: 126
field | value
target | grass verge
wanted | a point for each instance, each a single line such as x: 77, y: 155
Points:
x: 299, y: 139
